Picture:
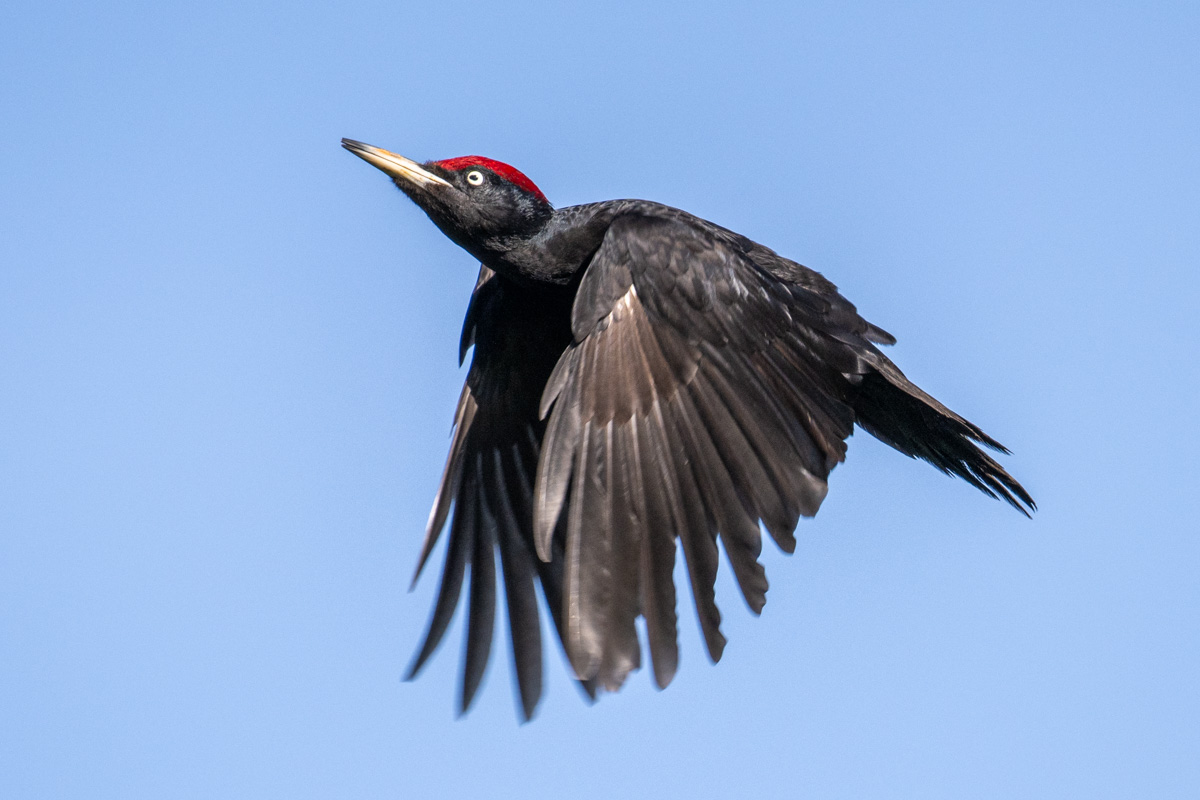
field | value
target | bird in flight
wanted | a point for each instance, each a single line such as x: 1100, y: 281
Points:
x: 641, y: 376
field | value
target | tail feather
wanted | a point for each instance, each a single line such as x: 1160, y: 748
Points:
x: 894, y: 410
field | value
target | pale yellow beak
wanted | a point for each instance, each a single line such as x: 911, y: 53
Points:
x: 394, y: 165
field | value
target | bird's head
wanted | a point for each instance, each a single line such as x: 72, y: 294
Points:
x: 484, y: 206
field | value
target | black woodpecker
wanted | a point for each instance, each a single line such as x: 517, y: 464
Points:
x: 641, y: 376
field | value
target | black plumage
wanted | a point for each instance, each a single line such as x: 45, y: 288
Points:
x: 641, y: 376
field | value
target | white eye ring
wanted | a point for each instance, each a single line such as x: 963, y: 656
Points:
x: 475, y: 177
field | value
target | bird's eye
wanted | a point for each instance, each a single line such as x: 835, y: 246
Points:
x: 474, y: 177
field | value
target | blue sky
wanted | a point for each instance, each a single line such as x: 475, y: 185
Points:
x: 227, y: 360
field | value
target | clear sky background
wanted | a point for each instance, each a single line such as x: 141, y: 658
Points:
x: 227, y: 376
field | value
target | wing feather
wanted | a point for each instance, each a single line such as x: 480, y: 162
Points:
x: 516, y: 561
x: 462, y: 540
x: 451, y: 479
x: 481, y: 622
x: 698, y: 537
x: 657, y: 562
x: 587, y: 579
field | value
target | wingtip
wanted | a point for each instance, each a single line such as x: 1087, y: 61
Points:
x: 1026, y: 506
x: 470, y: 688
x: 590, y: 689
x: 412, y: 584
x: 663, y: 674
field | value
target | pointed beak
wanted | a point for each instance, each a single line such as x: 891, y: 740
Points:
x: 396, y: 166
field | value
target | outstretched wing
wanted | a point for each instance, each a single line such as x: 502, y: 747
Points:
x: 518, y: 335
x: 709, y: 386
x: 701, y: 395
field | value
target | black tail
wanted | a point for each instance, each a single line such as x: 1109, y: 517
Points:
x: 894, y: 410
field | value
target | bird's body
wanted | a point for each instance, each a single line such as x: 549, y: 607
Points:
x: 641, y: 376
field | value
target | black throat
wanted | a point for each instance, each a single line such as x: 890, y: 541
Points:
x: 558, y: 251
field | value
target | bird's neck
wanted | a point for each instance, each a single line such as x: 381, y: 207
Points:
x: 557, y: 251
